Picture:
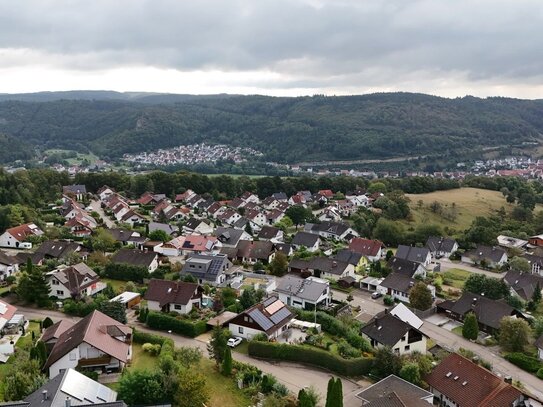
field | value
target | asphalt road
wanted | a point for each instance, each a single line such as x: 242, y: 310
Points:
x: 95, y: 205
x: 446, y: 264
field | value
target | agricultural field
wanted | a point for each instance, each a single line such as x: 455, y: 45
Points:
x: 77, y: 160
x: 468, y: 204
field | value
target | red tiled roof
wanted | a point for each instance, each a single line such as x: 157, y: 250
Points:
x: 365, y: 247
x: 21, y: 232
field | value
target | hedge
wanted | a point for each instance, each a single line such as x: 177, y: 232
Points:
x: 126, y: 272
x: 164, y: 322
x: 310, y: 356
x: 144, y: 337
x: 525, y: 362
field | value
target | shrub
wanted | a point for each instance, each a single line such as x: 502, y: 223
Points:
x: 539, y: 373
x: 311, y: 356
x: 388, y: 300
x: 156, y: 320
x: 126, y: 272
x: 153, y: 350
x: 525, y: 362
x: 144, y: 337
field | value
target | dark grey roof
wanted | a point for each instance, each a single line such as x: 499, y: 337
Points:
x: 306, y: 289
x: 193, y: 223
x: 403, y: 266
x: 406, y: 392
x: 489, y: 312
x: 533, y: 259
x: 487, y: 253
x: 211, y: 266
x: 348, y: 256
x: 134, y: 257
x: 329, y: 227
x: 57, y: 248
x: 229, y: 236
x: 524, y: 284
x: 418, y: 254
x: 398, y: 282
x: 386, y: 329
x: 539, y: 342
x: 268, y: 232
x: 305, y: 239
x: 120, y: 234
x: 241, y: 223
x: 327, y: 265
x: 169, y: 229
x: 284, y: 248
x: 440, y: 244
x: 280, y: 196
x: 74, y: 189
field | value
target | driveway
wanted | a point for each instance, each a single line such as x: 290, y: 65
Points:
x: 363, y: 300
x: 95, y: 205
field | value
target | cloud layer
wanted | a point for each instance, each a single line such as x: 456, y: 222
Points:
x: 442, y: 47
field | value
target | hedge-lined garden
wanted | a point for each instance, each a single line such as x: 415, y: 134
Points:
x: 310, y: 356
x: 526, y: 362
x: 164, y: 322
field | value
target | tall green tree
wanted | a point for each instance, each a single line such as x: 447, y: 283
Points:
x: 470, y: 330
x: 514, y: 334
x: 386, y: 362
x: 420, y: 297
x: 193, y: 390
x: 218, y: 344
x: 411, y: 373
x: 298, y: 214
x: 226, y: 367
x: 279, y: 265
x: 113, y: 309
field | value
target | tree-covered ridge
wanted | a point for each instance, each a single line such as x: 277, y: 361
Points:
x: 285, y: 129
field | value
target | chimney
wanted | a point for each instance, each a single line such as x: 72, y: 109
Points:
x: 508, y: 379
x: 68, y: 401
x: 44, y: 395
x: 386, y: 311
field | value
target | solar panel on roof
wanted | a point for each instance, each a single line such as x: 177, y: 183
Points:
x: 280, y: 315
x: 261, y: 319
x: 215, y: 267
x: 268, y: 301
x: 274, y: 307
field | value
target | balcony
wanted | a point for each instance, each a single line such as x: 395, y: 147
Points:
x: 99, y: 361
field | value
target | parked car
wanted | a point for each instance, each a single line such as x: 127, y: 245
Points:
x: 376, y: 295
x: 233, y: 342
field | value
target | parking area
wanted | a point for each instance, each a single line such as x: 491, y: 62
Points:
x: 443, y: 321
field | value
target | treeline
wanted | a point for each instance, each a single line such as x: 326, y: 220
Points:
x: 284, y: 129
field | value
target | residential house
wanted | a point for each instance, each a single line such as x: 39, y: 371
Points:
x: 486, y: 255
x: 270, y: 233
x: 194, y: 244
x: 331, y: 230
x: 420, y: 255
x: 393, y: 391
x: 132, y: 218
x: 69, y: 389
x: 129, y: 299
x: 7, y: 312
x: 406, y: 315
x: 78, y: 192
x: 173, y: 296
x: 257, y: 217
x: 80, y: 226
x: 458, y: 382
x: 345, y: 207
x: 184, y: 196
x: 304, y: 293
x: 330, y: 214
x: 399, y: 285
x: 270, y: 203
x: 127, y: 236
x: 250, y: 197
x: 170, y: 230
x: 356, y: 259
x: 105, y: 192
x: 149, y: 198
x: 58, y: 249
x: 77, y: 281
x: 536, y: 240
x: 210, y: 269
x: 230, y: 237
x: 406, y: 267
x: 309, y: 241
x: 370, y: 249
x: 94, y: 342
x: 15, y: 237
x: 270, y: 317
x: 197, y: 226
x: 280, y: 196
x: 216, y: 209
x: 51, y: 334
x: 489, y: 312
x: 284, y: 248
x: 523, y: 285
x: 441, y: 246
x: 536, y: 263
x: 9, y: 265
x: 138, y: 258
x: 390, y: 331
x: 253, y: 252
x: 327, y: 193
x: 511, y: 242
x: 322, y: 267
x: 274, y: 216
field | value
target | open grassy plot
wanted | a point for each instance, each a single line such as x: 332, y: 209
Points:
x: 469, y: 203
x: 224, y: 390
x: 118, y: 285
x: 142, y: 360
x: 455, y: 277
x: 80, y: 157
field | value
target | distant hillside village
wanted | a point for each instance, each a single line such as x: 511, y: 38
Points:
x: 324, y: 278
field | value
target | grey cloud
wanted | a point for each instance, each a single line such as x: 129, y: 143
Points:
x: 310, y: 42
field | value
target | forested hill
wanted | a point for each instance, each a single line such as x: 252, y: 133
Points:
x: 285, y: 129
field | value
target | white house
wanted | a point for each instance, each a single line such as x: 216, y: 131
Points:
x: 388, y: 330
x: 96, y: 342
x: 308, y: 240
x: 14, y: 237
x: 270, y: 317
x: 303, y: 293
x: 76, y: 281
x: 9, y: 265
x: 173, y: 296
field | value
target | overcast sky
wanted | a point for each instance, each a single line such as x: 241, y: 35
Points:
x: 276, y: 47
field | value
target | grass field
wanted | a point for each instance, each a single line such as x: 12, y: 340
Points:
x: 77, y: 160
x: 455, y: 277
x: 224, y: 392
x: 469, y: 203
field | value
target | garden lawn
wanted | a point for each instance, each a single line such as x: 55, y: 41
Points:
x: 142, y: 360
x: 458, y: 330
x: 455, y: 277
x: 118, y: 285
x: 223, y: 390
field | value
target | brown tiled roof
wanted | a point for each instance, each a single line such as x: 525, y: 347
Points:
x: 55, y: 330
x: 170, y: 292
x: 365, y: 247
x: 92, y: 330
x: 21, y: 232
x: 470, y: 385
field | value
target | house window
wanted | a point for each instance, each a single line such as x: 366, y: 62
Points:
x: 245, y: 318
x: 72, y: 356
x: 177, y: 306
x: 54, y: 282
x: 60, y: 292
x: 407, y: 347
x: 240, y: 330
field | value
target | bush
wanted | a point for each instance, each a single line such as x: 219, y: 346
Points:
x: 126, y: 272
x: 388, y: 300
x: 153, y: 350
x: 78, y: 308
x: 144, y: 337
x: 156, y: 320
x: 539, y: 373
x: 311, y: 356
x: 525, y: 362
